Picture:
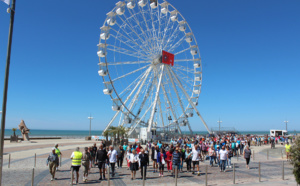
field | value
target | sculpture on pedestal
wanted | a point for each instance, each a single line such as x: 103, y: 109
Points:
x: 24, y: 130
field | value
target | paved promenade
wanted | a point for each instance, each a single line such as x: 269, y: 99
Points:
x: 22, y: 163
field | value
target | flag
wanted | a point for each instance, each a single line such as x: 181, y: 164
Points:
x: 6, y: 1
x: 167, y: 58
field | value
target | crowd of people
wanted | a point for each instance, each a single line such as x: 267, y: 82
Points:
x: 172, y: 156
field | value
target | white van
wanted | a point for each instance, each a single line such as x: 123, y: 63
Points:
x: 276, y: 133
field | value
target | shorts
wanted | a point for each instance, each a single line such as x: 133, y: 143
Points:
x: 101, y: 165
x: 175, y: 164
x: 161, y: 166
x: 75, y: 168
x: 195, y: 163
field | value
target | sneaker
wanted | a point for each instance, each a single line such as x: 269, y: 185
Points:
x: 159, y: 175
x: 198, y: 173
x: 162, y: 175
x: 193, y: 172
x: 220, y: 170
x: 100, y: 178
x: 51, y: 179
x: 154, y: 171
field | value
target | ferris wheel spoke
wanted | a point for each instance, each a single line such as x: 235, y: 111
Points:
x: 126, y: 52
x: 160, y: 111
x: 178, y: 97
x: 185, y: 77
x: 145, y: 96
x: 125, y: 75
x: 130, y: 46
x: 133, y: 15
x: 155, y: 99
x: 134, y: 31
x: 189, y: 99
x: 137, y: 123
x: 182, y: 51
x: 165, y: 32
x: 118, y: 112
x: 139, y: 90
x: 186, y: 69
x: 169, y: 102
x: 128, y: 63
x: 133, y: 83
x: 150, y: 38
x: 129, y: 38
x: 176, y: 45
x: 173, y: 35
x: 153, y: 25
x: 185, y: 60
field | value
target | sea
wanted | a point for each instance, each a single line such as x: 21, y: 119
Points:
x: 84, y: 133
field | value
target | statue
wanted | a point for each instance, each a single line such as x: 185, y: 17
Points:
x: 24, y: 130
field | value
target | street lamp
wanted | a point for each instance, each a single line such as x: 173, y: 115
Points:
x: 219, y: 125
x: 90, y: 118
x: 286, y: 122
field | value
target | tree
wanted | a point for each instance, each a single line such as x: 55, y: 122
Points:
x: 14, y: 130
x: 295, y: 159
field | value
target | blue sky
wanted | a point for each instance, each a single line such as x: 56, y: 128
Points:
x: 249, y: 49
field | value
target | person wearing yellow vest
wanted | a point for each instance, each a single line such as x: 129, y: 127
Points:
x: 287, y: 150
x: 57, y: 151
x: 76, y: 162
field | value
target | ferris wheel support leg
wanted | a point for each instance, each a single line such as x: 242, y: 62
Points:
x: 178, y: 97
x: 161, y: 115
x: 172, y: 111
x: 155, y: 100
x: 139, y: 90
x: 111, y: 121
x: 118, y: 112
x: 189, y: 99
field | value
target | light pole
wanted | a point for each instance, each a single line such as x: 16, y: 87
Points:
x: 219, y: 125
x: 6, y: 77
x: 286, y: 122
x: 90, y: 118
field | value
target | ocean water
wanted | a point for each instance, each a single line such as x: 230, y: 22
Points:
x: 56, y: 133
x: 83, y: 133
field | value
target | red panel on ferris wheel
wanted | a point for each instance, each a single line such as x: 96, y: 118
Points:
x: 168, y: 58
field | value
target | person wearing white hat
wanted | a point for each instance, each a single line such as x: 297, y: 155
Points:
x: 52, y: 161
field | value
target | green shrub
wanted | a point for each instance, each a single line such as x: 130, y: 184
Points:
x: 295, y: 159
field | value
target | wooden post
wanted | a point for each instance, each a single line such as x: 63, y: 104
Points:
x: 206, y: 175
x: 234, y: 173
x: 108, y: 172
x: 72, y: 176
x: 282, y: 170
x: 259, y: 172
x: 176, y: 171
x: 144, y: 170
x: 32, y: 177
x: 8, y: 160
x: 34, y: 159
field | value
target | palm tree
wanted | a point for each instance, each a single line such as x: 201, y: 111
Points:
x: 14, y: 130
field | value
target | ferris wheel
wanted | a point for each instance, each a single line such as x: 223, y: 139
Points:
x: 150, y: 65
